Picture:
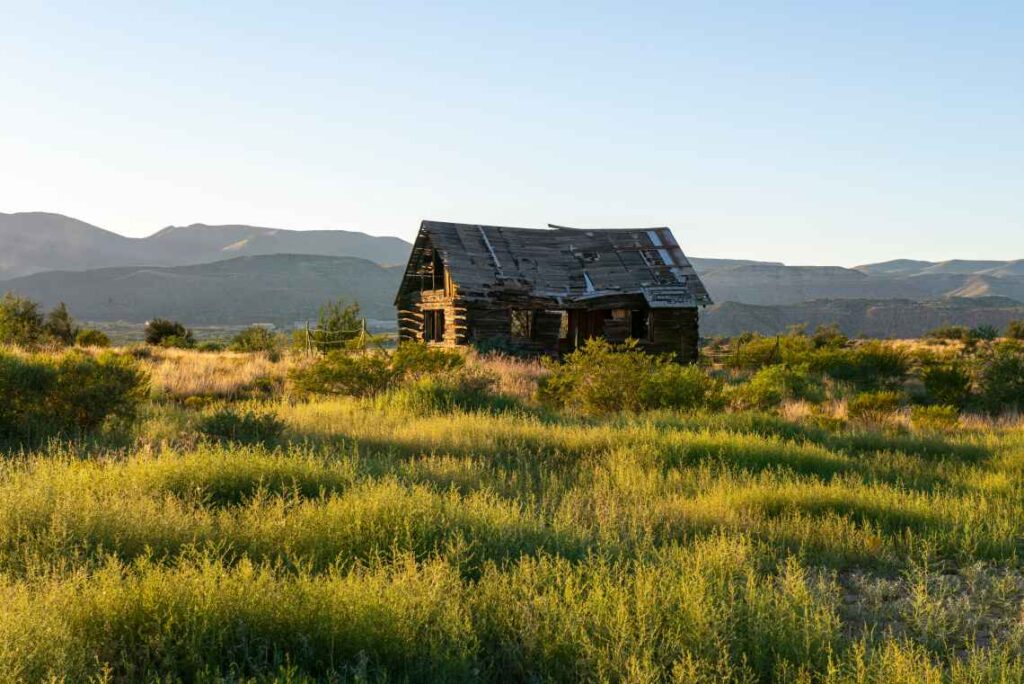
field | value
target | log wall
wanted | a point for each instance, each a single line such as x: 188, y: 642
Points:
x: 674, y: 331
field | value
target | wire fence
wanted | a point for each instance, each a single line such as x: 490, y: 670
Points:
x: 323, y: 339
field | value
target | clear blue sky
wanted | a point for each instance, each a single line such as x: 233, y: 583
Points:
x: 813, y: 132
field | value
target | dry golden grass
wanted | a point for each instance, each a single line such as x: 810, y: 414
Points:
x: 516, y: 377
x: 180, y: 373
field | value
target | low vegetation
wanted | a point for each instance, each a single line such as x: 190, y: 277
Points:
x: 165, y: 333
x: 797, y: 509
x: 66, y: 394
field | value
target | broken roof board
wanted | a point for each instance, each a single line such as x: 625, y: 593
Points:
x: 564, y: 263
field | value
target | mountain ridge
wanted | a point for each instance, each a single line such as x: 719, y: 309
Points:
x: 279, y: 288
x: 36, y: 242
x: 281, y: 275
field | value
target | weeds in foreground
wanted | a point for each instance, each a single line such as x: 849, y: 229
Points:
x: 431, y: 534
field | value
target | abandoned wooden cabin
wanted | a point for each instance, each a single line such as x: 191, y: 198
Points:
x: 548, y: 290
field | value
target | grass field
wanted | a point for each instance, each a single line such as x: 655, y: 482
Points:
x: 372, y: 542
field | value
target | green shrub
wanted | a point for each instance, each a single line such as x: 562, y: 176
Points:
x: 464, y: 390
x: 25, y: 385
x: 772, y: 385
x: 265, y: 386
x: 672, y: 386
x: 600, y: 378
x: 367, y: 374
x: 88, y: 390
x: 985, y: 333
x: 210, y: 346
x: 60, y: 327
x: 339, y: 372
x: 71, y: 393
x: 948, y: 384
x: 936, y: 418
x: 1000, y: 379
x: 177, y: 342
x: 949, y: 332
x: 255, y: 338
x: 874, y: 407
x: 338, y: 326
x: 754, y: 351
x: 20, y: 321
x: 90, y: 337
x: 164, y: 333
x: 1015, y: 330
x: 597, y: 378
x: 249, y: 427
x: 867, y: 366
x: 417, y: 358
x: 830, y: 336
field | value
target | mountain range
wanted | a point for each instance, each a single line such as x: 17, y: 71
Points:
x: 899, y: 318
x: 237, y: 274
x: 34, y: 242
x: 278, y: 288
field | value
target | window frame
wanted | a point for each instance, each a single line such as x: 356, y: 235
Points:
x: 530, y: 321
x: 433, y: 326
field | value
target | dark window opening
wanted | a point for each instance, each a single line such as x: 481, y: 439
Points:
x: 640, y: 325
x: 433, y: 326
x: 521, y: 321
x: 437, y: 272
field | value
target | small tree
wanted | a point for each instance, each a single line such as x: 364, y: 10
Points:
x: 165, y: 333
x: 60, y: 326
x: 90, y: 337
x: 829, y: 336
x: 1015, y: 330
x: 20, y: 321
x: 337, y: 326
x: 1000, y: 379
x: 255, y: 338
x: 947, y: 384
x: 985, y: 333
x: 949, y: 332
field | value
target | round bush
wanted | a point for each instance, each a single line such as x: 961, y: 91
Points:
x: 90, y: 337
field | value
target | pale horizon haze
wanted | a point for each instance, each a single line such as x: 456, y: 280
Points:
x: 808, y: 133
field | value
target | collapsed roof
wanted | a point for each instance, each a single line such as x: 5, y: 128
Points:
x: 560, y: 264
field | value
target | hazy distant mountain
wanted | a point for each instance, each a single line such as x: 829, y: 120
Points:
x: 895, y: 267
x: 909, y: 267
x: 198, y: 243
x: 156, y: 276
x: 279, y: 289
x: 768, y: 283
x: 33, y: 242
x: 900, y: 318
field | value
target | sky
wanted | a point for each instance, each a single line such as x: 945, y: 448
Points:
x: 808, y: 133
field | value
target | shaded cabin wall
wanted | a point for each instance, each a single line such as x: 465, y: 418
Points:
x: 675, y: 331
x: 493, y: 323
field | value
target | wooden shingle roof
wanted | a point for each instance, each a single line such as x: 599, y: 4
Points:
x: 565, y: 264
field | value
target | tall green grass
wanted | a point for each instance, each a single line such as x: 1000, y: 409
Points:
x: 376, y: 542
